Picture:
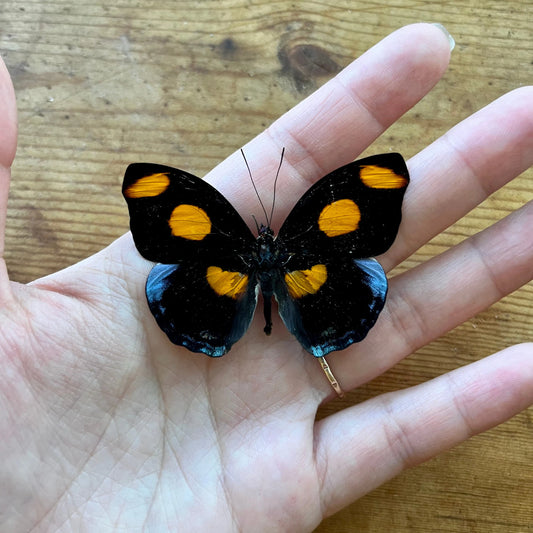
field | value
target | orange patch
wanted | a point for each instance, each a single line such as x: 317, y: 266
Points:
x: 148, y: 186
x: 381, y: 178
x: 339, y: 218
x: 190, y: 222
x: 224, y: 283
x: 302, y: 282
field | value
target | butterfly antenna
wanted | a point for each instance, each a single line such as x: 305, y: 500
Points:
x: 275, y: 183
x: 255, y: 188
x: 256, y: 224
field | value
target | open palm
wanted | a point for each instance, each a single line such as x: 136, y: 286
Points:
x: 106, y: 425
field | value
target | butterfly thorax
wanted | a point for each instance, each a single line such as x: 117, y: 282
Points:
x: 266, y: 252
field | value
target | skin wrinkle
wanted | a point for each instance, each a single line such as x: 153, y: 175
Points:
x: 163, y: 438
x: 64, y: 494
x: 512, y: 248
x: 244, y: 420
x: 459, y: 312
x: 302, y: 126
x: 279, y: 417
x: 360, y: 103
x: 451, y: 383
x: 480, y: 390
x: 102, y: 437
x: 439, y: 389
x: 41, y: 522
x: 276, y: 137
x: 315, y: 373
x: 464, y: 162
x: 223, y: 480
x: 406, y: 318
x: 334, y: 425
x: 397, y: 435
x: 165, y: 458
x: 513, y: 137
x: 321, y: 468
x: 473, y: 243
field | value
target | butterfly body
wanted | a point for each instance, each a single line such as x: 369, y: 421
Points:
x: 319, y: 267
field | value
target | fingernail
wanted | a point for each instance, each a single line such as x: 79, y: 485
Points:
x: 451, y: 40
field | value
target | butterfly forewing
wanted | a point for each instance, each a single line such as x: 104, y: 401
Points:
x: 355, y: 209
x: 175, y: 215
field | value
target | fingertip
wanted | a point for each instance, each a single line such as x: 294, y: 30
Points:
x: 392, y: 76
x: 431, y: 42
x: 521, y: 101
x: 502, y: 381
x: 447, y: 34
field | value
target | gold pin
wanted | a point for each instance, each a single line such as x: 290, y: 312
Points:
x: 331, y: 378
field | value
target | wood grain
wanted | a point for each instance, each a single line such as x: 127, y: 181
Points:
x: 186, y: 83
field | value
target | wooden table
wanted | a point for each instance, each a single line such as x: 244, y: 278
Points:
x: 186, y: 83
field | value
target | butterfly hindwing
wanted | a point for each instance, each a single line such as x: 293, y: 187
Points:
x: 341, y: 312
x: 203, y: 297
x: 331, y: 293
x: 192, y: 315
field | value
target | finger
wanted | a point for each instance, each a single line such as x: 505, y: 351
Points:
x: 434, y: 297
x: 460, y: 283
x: 339, y: 120
x: 8, y: 136
x: 360, y: 448
x: 462, y: 168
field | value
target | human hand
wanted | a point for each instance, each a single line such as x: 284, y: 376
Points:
x: 105, y: 424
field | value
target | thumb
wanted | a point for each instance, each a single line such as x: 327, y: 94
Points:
x: 8, y: 118
x: 8, y: 145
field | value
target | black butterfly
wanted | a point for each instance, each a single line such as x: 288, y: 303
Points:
x: 319, y: 267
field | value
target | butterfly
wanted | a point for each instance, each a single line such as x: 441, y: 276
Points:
x: 319, y: 268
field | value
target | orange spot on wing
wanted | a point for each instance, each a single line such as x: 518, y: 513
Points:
x: 149, y: 186
x: 302, y: 282
x: 382, y: 178
x: 225, y: 283
x: 339, y: 217
x: 190, y: 222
